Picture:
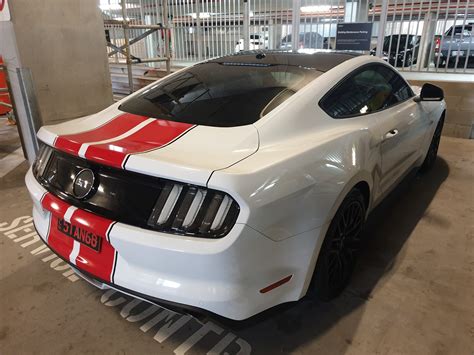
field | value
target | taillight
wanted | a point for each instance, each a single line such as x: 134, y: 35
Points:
x: 194, y: 211
x: 437, y: 44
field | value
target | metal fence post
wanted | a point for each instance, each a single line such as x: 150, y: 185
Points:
x: 167, y: 30
x: 382, y: 24
x: 295, y: 24
x: 127, y: 45
x: 246, y: 24
x: 198, y: 29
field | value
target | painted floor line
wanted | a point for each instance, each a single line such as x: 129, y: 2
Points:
x: 11, y: 161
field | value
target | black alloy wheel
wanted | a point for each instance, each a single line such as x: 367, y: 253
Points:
x: 433, y: 149
x: 338, y: 253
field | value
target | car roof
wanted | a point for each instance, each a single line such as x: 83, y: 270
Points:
x: 321, y: 61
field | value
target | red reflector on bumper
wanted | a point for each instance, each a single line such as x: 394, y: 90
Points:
x: 276, y: 284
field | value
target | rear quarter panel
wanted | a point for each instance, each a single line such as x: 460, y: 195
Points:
x: 292, y: 188
x: 306, y: 162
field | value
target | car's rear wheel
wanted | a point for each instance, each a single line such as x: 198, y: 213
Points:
x: 433, y: 149
x: 338, y: 253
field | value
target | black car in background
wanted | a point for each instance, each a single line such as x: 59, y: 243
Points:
x: 400, y: 50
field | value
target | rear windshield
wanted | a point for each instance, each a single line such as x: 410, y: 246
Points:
x: 221, y: 94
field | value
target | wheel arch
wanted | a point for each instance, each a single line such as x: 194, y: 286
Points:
x: 362, y: 181
x: 364, y: 188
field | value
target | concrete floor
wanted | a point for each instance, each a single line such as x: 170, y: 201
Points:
x: 412, y: 292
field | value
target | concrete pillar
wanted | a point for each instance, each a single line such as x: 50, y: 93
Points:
x: 295, y: 24
x: 63, y: 43
x: 356, y: 11
x: 427, y: 35
x: 198, y: 34
x: 350, y: 11
x: 363, y: 11
x: 381, y: 29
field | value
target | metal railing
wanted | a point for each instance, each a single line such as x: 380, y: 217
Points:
x: 429, y: 35
x: 137, y: 32
x: 419, y: 35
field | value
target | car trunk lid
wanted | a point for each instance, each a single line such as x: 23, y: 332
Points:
x: 156, y: 147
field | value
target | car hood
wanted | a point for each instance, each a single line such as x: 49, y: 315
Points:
x: 167, y: 149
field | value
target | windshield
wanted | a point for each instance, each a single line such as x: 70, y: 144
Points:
x: 221, y: 94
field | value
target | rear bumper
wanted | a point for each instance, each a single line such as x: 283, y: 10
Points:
x: 223, y: 276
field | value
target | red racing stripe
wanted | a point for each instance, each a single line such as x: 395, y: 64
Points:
x: 154, y: 135
x: 99, y: 264
x: 71, y: 143
x: 58, y: 242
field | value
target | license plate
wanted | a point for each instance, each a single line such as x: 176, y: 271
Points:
x: 456, y: 53
x: 83, y: 236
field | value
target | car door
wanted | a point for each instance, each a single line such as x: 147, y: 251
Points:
x: 402, y: 127
x: 395, y: 121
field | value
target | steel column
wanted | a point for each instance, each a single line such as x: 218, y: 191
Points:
x: 246, y: 23
x: 167, y: 35
x: 198, y: 30
x: 33, y: 121
x: 127, y: 45
x: 295, y: 24
x: 382, y: 24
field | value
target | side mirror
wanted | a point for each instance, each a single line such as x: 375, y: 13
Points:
x: 430, y: 92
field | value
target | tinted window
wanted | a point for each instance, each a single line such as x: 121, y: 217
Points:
x: 221, y: 94
x: 368, y: 90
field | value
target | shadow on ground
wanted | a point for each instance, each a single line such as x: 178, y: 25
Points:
x: 288, y: 327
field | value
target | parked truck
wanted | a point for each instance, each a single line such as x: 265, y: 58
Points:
x: 456, y: 45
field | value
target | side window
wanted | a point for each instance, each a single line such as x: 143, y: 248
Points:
x: 372, y: 89
x: 400, y: 90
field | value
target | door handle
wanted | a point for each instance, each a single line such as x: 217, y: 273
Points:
x: 390, y: 134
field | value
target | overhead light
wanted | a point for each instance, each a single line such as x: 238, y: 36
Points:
x: 111, y: 7
x: 315, y: 8
x: 201, y: 15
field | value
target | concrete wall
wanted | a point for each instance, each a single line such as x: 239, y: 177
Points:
x: 63, y: 43
x: 459, y: 98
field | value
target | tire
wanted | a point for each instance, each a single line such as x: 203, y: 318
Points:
x: 432, y: 153
x: 336, y: 260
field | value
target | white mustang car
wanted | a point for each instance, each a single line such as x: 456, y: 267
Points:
x: 236, y: 184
